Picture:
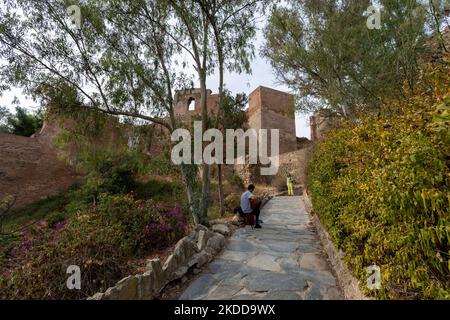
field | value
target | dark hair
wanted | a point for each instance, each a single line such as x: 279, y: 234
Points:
x: 251, y: 187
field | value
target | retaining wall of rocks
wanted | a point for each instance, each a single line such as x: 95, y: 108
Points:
x: 190, y: 254
x: 348, y: 283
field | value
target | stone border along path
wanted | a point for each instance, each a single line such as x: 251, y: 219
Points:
x: 282, y: 261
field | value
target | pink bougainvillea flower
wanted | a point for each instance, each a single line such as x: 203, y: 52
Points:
x: 60, y: 225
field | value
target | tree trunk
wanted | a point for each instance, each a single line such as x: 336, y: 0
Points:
x: 204, y: 203
x: 221, y: 196
x: 221, y: 89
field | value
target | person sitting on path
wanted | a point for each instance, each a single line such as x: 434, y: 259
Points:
x: 249, y: 205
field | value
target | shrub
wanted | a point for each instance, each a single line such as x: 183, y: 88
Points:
x: 231, y: 202
x: 54, y: 218
x: 101, y: 240
x: 381, y: 189
x: 236, y: 180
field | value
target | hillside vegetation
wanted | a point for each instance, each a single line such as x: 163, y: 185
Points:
x: 380, y: 185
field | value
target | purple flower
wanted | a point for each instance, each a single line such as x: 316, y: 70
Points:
x: 60, y: 225
x: 24, y: 233
x: 24, y: 249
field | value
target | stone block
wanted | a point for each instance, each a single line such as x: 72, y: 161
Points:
x: 215, y: 244
x: 221, y: 228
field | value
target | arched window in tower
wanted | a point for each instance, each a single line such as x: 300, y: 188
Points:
x: 191, y: 104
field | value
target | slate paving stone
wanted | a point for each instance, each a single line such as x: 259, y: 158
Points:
x: 267, y: 281
x: 265, y: 262
x: 223, y: 292
x: 313, y: 293
x: 282, y: 261
x: 238, y: 256
x: 199, y: 288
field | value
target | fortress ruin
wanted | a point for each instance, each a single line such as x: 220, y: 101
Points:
x: 30, y: 168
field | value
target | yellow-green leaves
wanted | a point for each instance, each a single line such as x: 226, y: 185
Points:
x: 381, y: 187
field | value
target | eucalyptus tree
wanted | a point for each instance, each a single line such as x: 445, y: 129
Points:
x: 123, y: 59
x: 325, y: 51
x: 233, y: 24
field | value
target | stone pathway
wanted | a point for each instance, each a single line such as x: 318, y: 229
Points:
x: 282, y: 261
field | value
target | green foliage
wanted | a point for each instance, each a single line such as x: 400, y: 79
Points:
x: 4, y: 114
x: 22, y: 123
x: 101, y: 240
x: 232, y: 201
x: 381, y: 189
x: 64, y: 204
x: 161, y: 190
x: 236, y: 180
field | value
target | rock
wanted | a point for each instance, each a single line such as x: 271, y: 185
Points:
x: 222, y: 229
x: 202, y: 240
x: 203, y: 258
x: 215, y: 244
x: 185, y: 249
x: 179, y: 273
x: 183, y: 252
x: 201, y: 227
x: 188, y: 253
x: 126, y: 289
x: 150, y: 284
x: 196, y: 271
x: 200, y: 259
x: 145, y: 290
x: 154, y: 265
x: 97, y: 296
x: 170, y: 266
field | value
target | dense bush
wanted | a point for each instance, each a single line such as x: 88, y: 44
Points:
x: 22, y: 123
x: 101, y: 240
x: 381, y: 189
x: 232, y: 201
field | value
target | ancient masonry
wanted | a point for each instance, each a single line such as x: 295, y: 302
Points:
x: 31, y: 170
x: 268, y: 109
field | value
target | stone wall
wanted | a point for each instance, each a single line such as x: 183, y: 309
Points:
x: 273, y: 109
x: 30, y: 168
x: 191, y: 254
x: 184, y: 98
x: 320, y: 123
x: 294, y: 163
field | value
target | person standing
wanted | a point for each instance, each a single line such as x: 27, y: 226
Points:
x: 290, y: 185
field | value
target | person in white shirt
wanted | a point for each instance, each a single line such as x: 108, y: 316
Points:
x: 249, y: 204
